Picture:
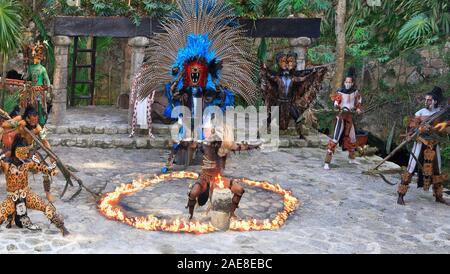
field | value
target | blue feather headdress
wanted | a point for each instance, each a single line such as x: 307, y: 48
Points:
x: 197, y: 47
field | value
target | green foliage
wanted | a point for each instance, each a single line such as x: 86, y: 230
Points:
x: 10, y: 27
x: 326, y: 122
x: 446, y: 153
x: 262, y: 50
x: 11, y: 101
x: 157, y: 9
x: 103, y: 43
x: 321, y: 54
x: 134, y: 11
x: 415, y: 31
x: 397, y: 26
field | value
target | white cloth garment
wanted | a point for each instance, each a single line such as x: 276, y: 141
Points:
x: 141, y: 114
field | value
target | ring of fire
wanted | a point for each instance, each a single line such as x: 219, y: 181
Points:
x: 108, y: 208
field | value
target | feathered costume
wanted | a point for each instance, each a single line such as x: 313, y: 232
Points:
x: 200, y: 54
x: 292, y: 90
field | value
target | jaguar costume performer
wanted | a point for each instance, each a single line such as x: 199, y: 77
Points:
x: 292, y: 90
x: 30, y: 120
x: 201, y: 59
x: 38, y: 92
x: 426, y: 154
x: 20, y: 196
x: 348, y: 102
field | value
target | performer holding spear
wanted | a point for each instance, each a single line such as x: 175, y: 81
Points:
x: 28, y: 127
x: 425, y: 128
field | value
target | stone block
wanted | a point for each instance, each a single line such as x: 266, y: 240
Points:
x: 87, y: 130
x: 74, y: 130
x: 299, y: 143
x: 99, y: 130
x: 61, y: 130
x: 111, y: 130
x: 142, y: 143
x: 221, y: 207
x: 122, y: 129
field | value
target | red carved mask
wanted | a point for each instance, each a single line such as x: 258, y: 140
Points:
x: 196, y: 73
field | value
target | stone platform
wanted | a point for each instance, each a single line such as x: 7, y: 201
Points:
x: 106, y: 127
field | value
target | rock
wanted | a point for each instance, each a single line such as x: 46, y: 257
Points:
x: 74, y: 130
x: 110, y: 131
x: 123, y: 142
x: 284, y: 143
x: 86, y: 129
x: 122, y: 129
x: 99, y: 130
x: 61, y: 130
x: 158, y: 143
x: 54, y: 141
x: 413, y: 78
x: 220, y: 220
x: 142, y: 143
x: 299, y: 143
x: 437, y: 63
x: 11, y: 247
x: 43, y: 248
x: 33, y: 241
x: 430, y: 71
x: 70, y: 142
x: 221, y: 207
x: 221, y: 200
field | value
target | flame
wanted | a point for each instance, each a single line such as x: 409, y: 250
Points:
x: 219, y: 182
x: 108, y: 207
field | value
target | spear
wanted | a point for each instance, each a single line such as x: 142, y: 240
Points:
x: 414, y: 134
x: 64, y: 170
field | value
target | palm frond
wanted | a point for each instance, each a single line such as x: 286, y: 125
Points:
x: 415, y: 31
x: 10, y: 26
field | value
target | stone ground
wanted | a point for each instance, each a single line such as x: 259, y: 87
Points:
x: 341, y: 211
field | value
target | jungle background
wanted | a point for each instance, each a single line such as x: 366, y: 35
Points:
x: 400, y: 49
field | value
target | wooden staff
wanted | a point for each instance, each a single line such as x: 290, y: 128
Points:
x: 64, y: 170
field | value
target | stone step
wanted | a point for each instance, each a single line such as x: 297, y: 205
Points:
x: 158, y: 129
x: 108, y: 141
x: 161, y: 129
x: 162, y: 141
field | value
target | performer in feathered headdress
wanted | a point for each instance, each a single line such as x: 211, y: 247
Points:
x: 202, y: 59
x: 206, y: 59
x: 38, y: 91
x: 292, y: 90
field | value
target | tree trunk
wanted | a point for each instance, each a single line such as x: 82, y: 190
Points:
x: 340, y: 45
x: 3, y: 62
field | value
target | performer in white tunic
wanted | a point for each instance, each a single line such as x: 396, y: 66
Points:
x: 426, y: 150
x: 348, y: 101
